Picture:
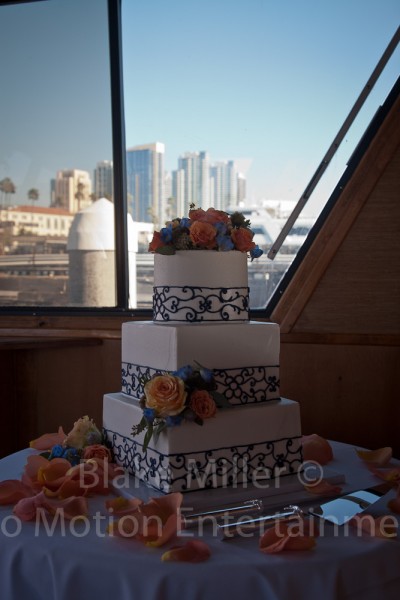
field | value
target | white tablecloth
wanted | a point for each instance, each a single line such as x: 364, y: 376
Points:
x: 37, y: 563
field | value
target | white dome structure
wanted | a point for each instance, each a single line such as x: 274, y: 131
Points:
x: 91, y: 249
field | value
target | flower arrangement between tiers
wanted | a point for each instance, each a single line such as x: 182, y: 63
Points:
x: 209, y: 229
x: 188, y: 394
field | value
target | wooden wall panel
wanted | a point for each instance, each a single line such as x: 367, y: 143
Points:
x: 347, y: 393
x: 52, y: 387
x: 360, y: 290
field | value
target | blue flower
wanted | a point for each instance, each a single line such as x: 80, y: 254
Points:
x: 221, y: 228
x: 185, y: 223
x: 224, y: 243
x: 256, y: 252
x: 149, y: 414
x: 166, y: 234
x: 57, y: 451
x: 184, y: 372
x: 206, y: 374
x: 174, y: 420
x: 72, y: 455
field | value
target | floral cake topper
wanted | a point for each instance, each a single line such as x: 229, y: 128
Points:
x: 209, y: 229
x: 188, y: 394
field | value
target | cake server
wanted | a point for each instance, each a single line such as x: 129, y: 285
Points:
x: 243, y: 527
x: 244, y: 509
x: 340, y: 510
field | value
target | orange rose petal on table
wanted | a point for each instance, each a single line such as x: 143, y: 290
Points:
x: 322, y: 488
x: 168, y: 531
x: 384, y: 526
x: 391, y: 474
x: 394, y: 504
x: 123, y: 506
x: 377, y: 458
x: 13, y: 490
x: 26, y: 509
x: 316, y: 448
x: 277, y: 539
x: 67, y: 489
x: 193, y: 551
x: 48, y: 440
x: 53, y: 473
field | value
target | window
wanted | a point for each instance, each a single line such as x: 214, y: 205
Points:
x: 230, y: 104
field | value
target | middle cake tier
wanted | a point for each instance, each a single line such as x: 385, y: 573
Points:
x: 244, y: 357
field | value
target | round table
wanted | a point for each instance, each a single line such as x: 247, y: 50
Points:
x: 45, y: 562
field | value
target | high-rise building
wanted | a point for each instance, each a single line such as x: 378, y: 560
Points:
x: 192, y: 181
x: 224, y: 185
x: 145, y: 182
x: 72, y: 190
x: 103, y: 180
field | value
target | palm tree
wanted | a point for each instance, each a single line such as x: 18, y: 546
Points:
x: 33, y: 195
x: 79, y: 194
x: 7, y: 187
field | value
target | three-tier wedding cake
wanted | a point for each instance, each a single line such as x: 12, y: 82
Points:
x: 201, y: 361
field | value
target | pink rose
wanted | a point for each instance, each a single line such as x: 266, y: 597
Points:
x: 166, y: 394
x: 203, y: 235
x: 243, y: 239
x: 97, y: 451
x: 203, y: 404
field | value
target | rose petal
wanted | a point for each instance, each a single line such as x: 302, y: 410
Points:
x: 193, y: 551
x: 13, y: 490
x: 394, y: 505
x: 378, y: 458
x: 322, y: 488
x: 26, y: 509
x: 317, y: 449
x: 384, y: 526
x: 392, y: 475
x: 123, y: 506
x: 48, y: 440
x: 283, y: 537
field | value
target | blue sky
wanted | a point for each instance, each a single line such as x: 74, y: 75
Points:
x: 262, y: 82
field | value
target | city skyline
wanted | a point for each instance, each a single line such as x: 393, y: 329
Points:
x: 252, y: 82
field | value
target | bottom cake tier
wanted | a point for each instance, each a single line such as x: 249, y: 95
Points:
x: 244, y: 444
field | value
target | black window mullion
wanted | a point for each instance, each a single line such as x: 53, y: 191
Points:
x: 119, y: 155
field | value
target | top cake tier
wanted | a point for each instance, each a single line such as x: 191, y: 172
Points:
x: 195, y: 286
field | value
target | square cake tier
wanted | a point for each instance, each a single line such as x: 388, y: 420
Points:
x: 242, y: 444
x: 244, y: 357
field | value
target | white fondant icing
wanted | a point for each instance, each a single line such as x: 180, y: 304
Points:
x: 267, y: 429
x: 199, y: 268
x: 170, y: 346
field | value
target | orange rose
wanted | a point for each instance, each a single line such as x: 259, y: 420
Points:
x: 203, y: 404
x: 243, y: 239
x: 156, y: 242
x: 97, y: 451
x: 203, y: 235
x: 197, y: 215
x: 166, y: 394
x: 216, y: 216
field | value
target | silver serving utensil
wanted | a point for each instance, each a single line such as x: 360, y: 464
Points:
x: 247, y: 508
x: 340, y: 510
x: 229, y: 530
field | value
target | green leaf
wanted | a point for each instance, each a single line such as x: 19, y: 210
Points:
x: 220, y: 400
x: 141, y: 426
x: 148, y: 436
x: 165, y: 250
x: 161, y: 425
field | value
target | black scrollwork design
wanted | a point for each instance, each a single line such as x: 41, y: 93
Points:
x: 200, y: 304
x: 211, y: 468
x: 245, y: 385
